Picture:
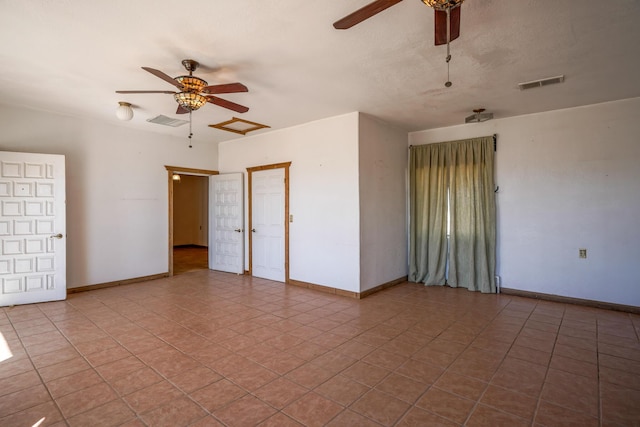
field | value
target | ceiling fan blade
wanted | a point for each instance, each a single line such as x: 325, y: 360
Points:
x: 227, y: 104
x: 181, y: 110
x: 226, y: 88
x: 440, y: 24
x: 364, y: 13
x: 163, y: 76
x: 144, y: 91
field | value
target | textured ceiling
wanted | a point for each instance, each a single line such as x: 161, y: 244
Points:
x: 70, y: 56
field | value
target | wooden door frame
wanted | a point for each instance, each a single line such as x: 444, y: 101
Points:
x: 250, y: 171
x: 184, y: 171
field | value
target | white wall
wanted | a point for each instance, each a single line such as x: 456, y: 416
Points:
x: 323, y: 193
x: 117, y: 193
x: 191, y: 210
x: 383, y: 213
x: 568, y: 179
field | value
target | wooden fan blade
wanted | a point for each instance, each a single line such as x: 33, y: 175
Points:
x: 364, y: 13
x: 226, y: 88
x: 227, y: 104
x: 144, y: 91
x: 181, y: 110
x: 440, y: 21
x: 163, y: 76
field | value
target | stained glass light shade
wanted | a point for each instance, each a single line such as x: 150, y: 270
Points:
x: 190, y: 100
x: 442, y: 4
x: 191, y: 83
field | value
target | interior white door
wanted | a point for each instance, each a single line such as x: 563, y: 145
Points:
x: 32, y: 228
x: 267, y: 222
x: 226, y: 217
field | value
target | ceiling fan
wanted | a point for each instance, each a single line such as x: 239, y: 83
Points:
x: 194, y: 92
x: 442, y: 9
x: 446, y: 21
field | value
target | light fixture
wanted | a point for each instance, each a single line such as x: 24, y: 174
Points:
x: 442, y: 4
x: 478, y: 116
x: 190, y: 100
x: 191, y: 83
x: 124, y: 111
x: 175, y: 177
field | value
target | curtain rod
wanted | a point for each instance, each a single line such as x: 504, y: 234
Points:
x: 495, y: 142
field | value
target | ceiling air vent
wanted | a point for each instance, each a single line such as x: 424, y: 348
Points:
x: 167, y: 121
x: 541, y: 82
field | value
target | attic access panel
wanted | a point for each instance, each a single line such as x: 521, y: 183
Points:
x: 239, y: 126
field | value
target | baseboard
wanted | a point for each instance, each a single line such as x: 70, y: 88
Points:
x: 570, y: 300
x: 383, y: 286
x: 116, y: 283
x: 321, y: 288
x: 341, y: 292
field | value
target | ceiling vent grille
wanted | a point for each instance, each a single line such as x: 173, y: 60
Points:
x: 167, y: 121
x: 541, y: 82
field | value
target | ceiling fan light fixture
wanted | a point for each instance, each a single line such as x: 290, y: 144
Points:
x: 124, y: 111
x: 194, y: 92
x: 191, y: 83
x: 190, y: 100
x: 442, y: 4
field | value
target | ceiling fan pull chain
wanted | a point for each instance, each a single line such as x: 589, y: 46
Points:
x: 448, y: 82
x: 190, y: 133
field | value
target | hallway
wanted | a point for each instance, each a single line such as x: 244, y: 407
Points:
x: 190, y: 258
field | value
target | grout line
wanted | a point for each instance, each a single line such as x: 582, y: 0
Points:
x: 42, y: 382
x: 501, y: 362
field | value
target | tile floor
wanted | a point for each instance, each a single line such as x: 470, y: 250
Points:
x: 209, y: 349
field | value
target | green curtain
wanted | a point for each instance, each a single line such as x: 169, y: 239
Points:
x: 464, y: 170
x: 428, y: 214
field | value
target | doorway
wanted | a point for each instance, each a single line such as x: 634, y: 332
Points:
x: 188, y: 219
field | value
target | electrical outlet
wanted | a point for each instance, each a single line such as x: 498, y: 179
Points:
x: 582, y: 253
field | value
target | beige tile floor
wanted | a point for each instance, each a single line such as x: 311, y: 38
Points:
x: 209, y: 349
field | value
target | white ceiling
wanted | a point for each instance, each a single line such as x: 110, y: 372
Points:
x: 70, y: 56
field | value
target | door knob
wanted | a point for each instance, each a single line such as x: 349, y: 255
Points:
x: 56, y: 236
x: 238, y: 230
x: 253, y: 229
